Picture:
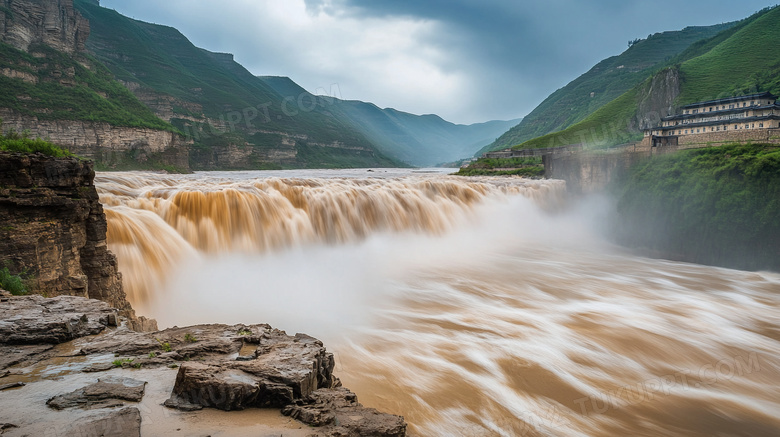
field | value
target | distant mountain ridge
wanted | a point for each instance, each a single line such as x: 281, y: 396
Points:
x: 603, y: 83
x: 417, y: 139
x: 238, y: 120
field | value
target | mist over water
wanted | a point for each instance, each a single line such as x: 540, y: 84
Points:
x: 470, y: 306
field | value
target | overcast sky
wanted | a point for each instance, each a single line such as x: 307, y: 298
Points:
x: 465, y: 60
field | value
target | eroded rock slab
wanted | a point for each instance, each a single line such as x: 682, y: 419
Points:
x: 285, y: 368
x: 106, y: 393
x: 227, y: 367
x: 35, y: 320
x: 122, y: 423
x: 290, y: 372
x: 339, y: 414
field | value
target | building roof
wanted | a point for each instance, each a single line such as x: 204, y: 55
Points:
x: 717, y: 122
x: 732, y: 99
x: 720, y: 112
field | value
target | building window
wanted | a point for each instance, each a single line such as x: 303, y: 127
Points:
x: 686, y: 131
x: 736, y: 127
x: 731, y: 106
x: 718, y: 128
x: 760, y: 124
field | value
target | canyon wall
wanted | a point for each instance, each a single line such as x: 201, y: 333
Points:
x: 54, y: 231
x: 112, y: 147
x: 54, y: 23
x: 50, y: 89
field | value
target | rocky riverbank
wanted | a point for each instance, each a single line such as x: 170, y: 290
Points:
x: 71, y: 366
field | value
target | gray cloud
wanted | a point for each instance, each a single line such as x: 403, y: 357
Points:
x: 466, y: 60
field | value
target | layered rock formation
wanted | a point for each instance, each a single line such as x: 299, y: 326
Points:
x: 111, y: 146
x: 53, y: 89
x: 51, y: 22
x: 54, y: 230
x: 227, y: 367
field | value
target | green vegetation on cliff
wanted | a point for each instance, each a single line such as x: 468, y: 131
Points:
x: 715, y: 206
x: 55, y: 86
x: 12, y: 283
x: 742, y: 59
x: 528, y: 167
x: 13, y: 142
x: 220, y: 104
x: 606, y: 81
x: 748, y: 60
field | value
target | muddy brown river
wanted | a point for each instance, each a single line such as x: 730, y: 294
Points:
x: 471, y: 306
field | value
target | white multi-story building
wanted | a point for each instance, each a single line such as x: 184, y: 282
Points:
x: 755, y: 111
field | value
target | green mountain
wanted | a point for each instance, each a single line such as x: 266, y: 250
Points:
x: 604, y: 82
x: 239, y: 120
x: 52, y: 85
x: 234, y: 118
x: 420, y: 140
x: 743, y: 59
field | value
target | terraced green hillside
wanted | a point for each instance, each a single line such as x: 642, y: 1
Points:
x: 740, y: 60
x: 603, y: 83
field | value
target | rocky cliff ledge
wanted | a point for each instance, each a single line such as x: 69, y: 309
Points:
x: 51, y: 22
x: 114, y: 147
x: 67, y: 369
x: 54, y: 230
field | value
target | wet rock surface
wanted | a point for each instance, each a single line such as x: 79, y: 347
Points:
x: 108, y: 392
x: 338, y: 412
x: 34, y: 320
x: 123, y: 423
x: 224, y: 367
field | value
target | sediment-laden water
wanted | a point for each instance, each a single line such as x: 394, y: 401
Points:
x: 470, y: 306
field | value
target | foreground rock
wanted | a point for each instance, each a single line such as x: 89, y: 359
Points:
x: 281, y: 370
x: 226, y: 367
x: 122, y: 423
x: 30, y: 326
x: 342, y: 416
x: 106, y: 393
x: 38, y: 320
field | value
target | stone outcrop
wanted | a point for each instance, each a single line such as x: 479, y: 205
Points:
x: 658, y: 98
x: 108, y: 392
x: 24, y: 23
x: 111, y: 146
x: 281, y: 370
x: 339, y: 414
x: 67, y: 318
x: 227, y: 367
x: 54, y: 230
x: 123, y: 423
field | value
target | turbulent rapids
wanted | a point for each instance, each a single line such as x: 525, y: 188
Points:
x: 470, y: 306
x: 154, y: 220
